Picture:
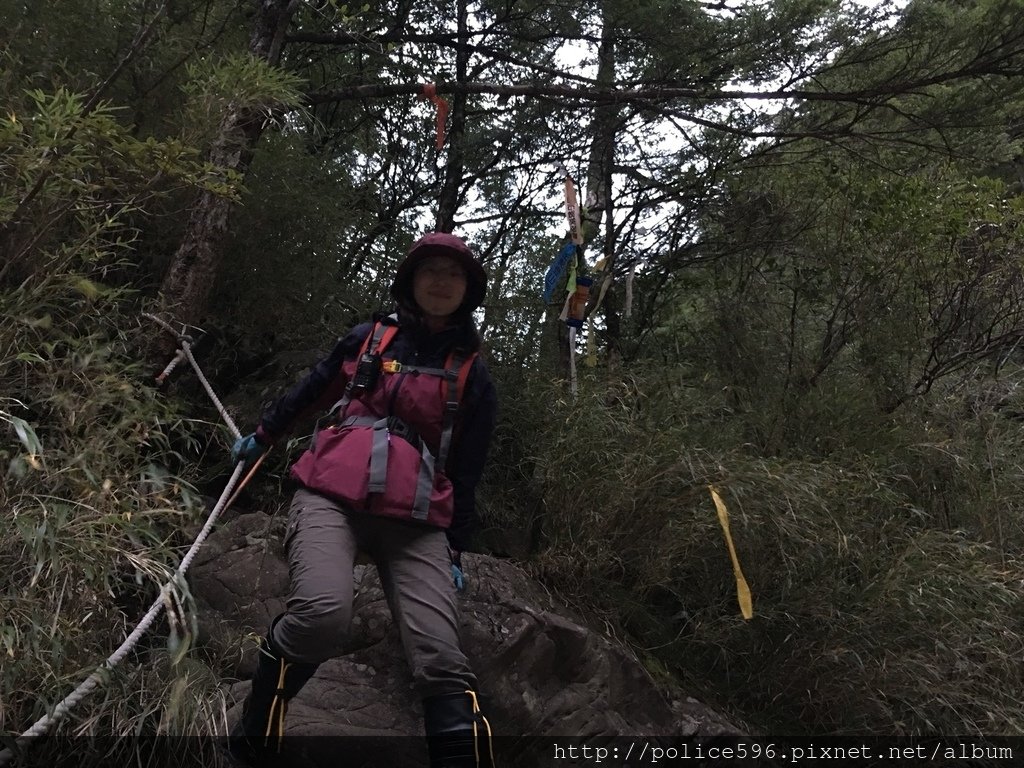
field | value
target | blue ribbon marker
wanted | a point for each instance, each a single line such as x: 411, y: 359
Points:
x: 557, y: 268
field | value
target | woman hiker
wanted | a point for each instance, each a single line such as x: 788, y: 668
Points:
x: 392, y: 472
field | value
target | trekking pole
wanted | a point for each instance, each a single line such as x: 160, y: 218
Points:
x: 246, y: 479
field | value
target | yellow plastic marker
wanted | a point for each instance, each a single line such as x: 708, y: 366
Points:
x: 742, y: 590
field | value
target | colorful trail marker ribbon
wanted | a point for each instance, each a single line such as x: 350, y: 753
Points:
x: 557, y: 268
x: 430, y: 94
x: 742, y: 590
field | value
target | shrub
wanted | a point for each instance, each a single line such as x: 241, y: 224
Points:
x: 92, y: 496
x: 872, y: 613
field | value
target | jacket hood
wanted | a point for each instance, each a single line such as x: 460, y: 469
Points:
x: 441, y: 244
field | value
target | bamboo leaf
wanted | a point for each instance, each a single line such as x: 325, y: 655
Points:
x: 26, y: 434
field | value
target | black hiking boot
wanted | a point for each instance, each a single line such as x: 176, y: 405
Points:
x: 458, y: 734
x: 255, y: 740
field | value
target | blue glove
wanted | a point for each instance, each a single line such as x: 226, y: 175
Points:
x: 247, y: 449
x: 458, y: 578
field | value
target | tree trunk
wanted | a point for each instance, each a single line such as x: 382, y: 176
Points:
x: 194, y: 267
x: 448, y: 200
x: 597, y: 202
x: 602, y: 149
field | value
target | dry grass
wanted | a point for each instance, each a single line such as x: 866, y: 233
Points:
x: 91, y: 499
x: 91, y: 496
x: 878, y: 608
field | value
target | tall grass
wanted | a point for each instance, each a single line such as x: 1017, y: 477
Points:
x: 92, y: 500
x: 886, y: 574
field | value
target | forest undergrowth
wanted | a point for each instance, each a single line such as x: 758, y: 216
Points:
x: 98, y: 466
x: 881, y: 536
x: 887, y: 582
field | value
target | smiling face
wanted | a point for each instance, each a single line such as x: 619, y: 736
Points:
x: 439, y: 287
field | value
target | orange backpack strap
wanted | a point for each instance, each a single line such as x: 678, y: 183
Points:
x: 378, y: 338
x: 464, y: 369
x: 380, y: 341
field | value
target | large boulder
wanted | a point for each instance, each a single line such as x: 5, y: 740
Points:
x: 547, y: 677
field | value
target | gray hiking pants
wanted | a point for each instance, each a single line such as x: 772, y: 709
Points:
x: 321, y: 541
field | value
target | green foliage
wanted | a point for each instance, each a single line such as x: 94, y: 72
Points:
x: 877, y: 610
x: 91, y: 496
x: 842, y: 279
x: 345, y: 12
x: 237, y: 81
x: 828, y: 332
x: 287, y: 255
x: 91, y: 500
x: 63, y: 176
x: 843, y: 365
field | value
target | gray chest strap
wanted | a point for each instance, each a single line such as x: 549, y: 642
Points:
x: 384, y: 427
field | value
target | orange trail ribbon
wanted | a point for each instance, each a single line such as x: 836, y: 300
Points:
x: 430, y: 93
